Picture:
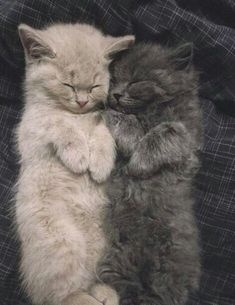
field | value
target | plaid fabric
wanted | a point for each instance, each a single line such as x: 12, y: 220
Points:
x: 210, y: 25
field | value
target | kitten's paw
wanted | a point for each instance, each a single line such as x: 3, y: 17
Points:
x: 138, y: 167
x: 75, y: 158
x: 171, y: 128
x: 113, y: 117
x: 126, y: 131
x: 174, y: 143
x: 101, y: 165
x: 102, y: 154
x: 105, y: 294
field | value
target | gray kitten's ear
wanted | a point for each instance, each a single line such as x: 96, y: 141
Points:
x: 183, y: 56
x: 34, y: 46
x: 116, y: 45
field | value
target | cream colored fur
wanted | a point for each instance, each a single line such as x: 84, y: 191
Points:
x: 66, y: 153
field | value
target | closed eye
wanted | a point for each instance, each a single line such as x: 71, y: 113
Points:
x: 133, y: 83
x: 68, y: 85
x: 93, y: 87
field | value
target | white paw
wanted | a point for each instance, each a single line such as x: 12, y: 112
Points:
x: 135, y: 166
x: 102, y: 154
x: 100, y: 167
x: 105, y: 294
x: 74, y: 158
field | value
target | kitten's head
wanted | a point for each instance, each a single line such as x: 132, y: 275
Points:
x: 150, y: 73
x: 67, y: 64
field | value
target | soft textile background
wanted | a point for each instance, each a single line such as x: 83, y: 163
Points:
x: 210, y: 25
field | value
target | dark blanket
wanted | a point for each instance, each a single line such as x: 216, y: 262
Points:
x: 210, y: 25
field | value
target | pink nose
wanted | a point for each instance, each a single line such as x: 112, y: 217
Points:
x: 82, y: 103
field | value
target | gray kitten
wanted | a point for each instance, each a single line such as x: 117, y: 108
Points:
x: 156, y: 122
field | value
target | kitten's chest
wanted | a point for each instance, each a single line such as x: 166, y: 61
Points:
x: 86, y: 123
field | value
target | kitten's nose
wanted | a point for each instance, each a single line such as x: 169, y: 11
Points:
x: 82, y: 103
x: 117, y: 96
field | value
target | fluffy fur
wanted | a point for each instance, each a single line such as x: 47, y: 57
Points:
x: 66, y: 154
x: 156, y: 122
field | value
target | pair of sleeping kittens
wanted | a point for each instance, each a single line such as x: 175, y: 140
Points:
x: 95, y: 230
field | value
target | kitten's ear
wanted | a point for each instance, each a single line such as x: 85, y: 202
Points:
x: 183, y: 56
x: 116, y: 45
x: 34, y: 46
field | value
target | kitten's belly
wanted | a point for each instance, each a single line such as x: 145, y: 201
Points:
x: 66, y: 197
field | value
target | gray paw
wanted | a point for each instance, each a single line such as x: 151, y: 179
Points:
x: 125, y: 129
x: 139, y: 167
x: 113, y: 117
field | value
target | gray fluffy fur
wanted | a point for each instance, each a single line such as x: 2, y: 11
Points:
x: 156, y: 121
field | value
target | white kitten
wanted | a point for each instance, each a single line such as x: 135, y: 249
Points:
x: 66, y: 154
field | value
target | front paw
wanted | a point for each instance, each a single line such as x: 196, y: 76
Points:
x: 113, y: 117
x: 100, y: 171
x: 126, y: 130
x: 138, y: 167
x: 74, y: 158
x: 101, y: 164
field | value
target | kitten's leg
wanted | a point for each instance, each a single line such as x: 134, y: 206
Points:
x: 125, y: 129
x: 54, y: 254
x: 70, y: 145
x: 102, y: 153
x: 105, y: 294
x: 166, y: 144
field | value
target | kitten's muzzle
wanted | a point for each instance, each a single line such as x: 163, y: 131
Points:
x: 113, y: 101
x: 82, y: 103
x: 117, y: 96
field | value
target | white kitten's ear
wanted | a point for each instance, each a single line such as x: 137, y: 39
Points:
x: 34, y: 46
x: 117, y: 45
